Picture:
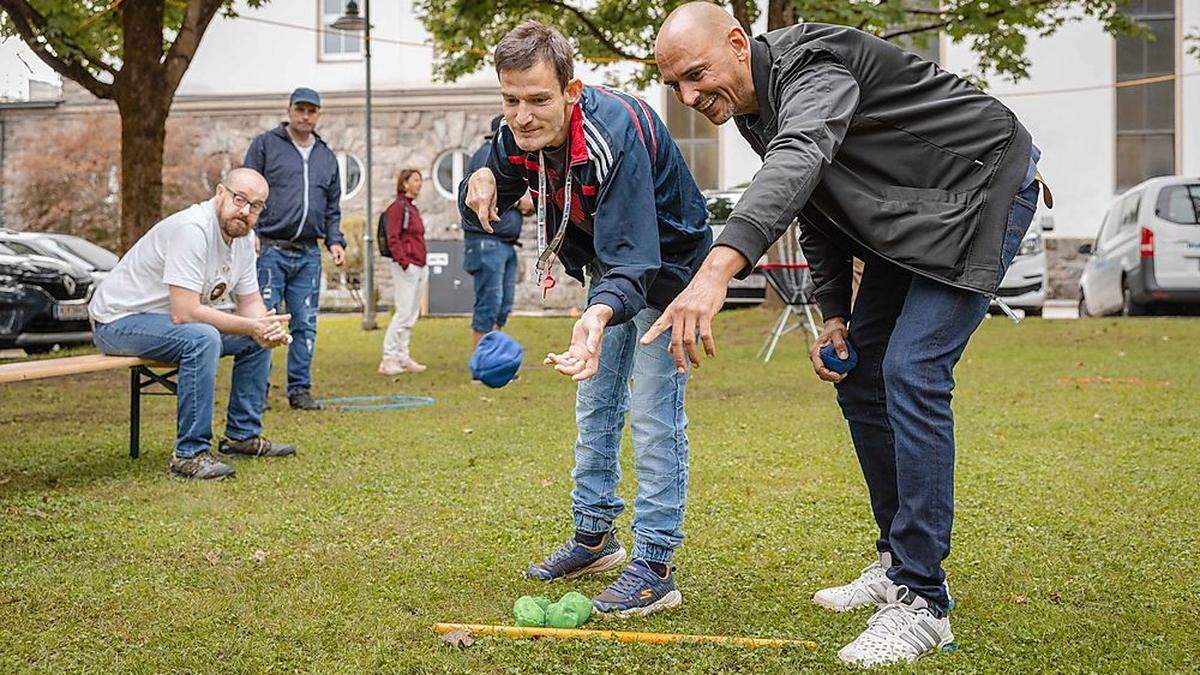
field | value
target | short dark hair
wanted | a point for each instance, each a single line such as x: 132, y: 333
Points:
x: 403, y: 178
x: 532, y: 42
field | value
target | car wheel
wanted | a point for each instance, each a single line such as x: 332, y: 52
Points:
x: 39, y: 349
x: 1128, y: 306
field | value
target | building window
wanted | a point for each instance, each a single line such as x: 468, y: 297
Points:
x: 350, y: 169
x: 448, y: 171
x: 1146, y: 112
x: 697, y: 140
x: 336, y: 45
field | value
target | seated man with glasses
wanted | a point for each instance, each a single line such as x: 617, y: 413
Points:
x: 160, y: 302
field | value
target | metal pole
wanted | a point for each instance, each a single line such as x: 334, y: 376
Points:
x: 368, y: 322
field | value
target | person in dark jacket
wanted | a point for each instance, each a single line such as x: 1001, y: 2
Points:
x: 304, y: 207
x: 410, y: 276
x: 613, y: 197
x: 883, y: 156
x: 491, y: 257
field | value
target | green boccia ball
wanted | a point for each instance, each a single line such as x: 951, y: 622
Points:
x: 571, y: 611
x: 529, y: 611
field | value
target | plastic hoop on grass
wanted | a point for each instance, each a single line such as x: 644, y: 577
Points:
x: 390, y: 402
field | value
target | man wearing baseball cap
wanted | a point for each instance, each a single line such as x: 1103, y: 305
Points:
x: 304, y: 206
x: 491, y: 257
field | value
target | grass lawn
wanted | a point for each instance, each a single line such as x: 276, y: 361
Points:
x: 1076, y: 545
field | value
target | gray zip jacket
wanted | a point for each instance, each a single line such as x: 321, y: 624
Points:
x: 876, y: 152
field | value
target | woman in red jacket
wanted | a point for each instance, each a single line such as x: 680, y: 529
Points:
x: 406, y: 241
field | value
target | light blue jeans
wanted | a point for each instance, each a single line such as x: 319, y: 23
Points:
x: 196, y: 348
x: 642, y: 382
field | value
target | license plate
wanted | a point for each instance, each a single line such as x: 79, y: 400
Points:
x: 71, y: 312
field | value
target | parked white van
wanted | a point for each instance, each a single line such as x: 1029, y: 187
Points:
x: 1147, y: 254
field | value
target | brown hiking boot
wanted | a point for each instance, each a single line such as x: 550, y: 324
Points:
x: 200, y: 467
x: 254, y: 447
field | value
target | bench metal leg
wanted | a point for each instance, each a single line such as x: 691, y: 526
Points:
x: 141, y: 377
x: 135, y: 411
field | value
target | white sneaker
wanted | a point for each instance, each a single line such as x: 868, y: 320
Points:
x: 391, y: 366
x: 902, y: 631
x: 870, y: 588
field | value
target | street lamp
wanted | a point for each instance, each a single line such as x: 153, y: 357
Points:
x: 351, y: 22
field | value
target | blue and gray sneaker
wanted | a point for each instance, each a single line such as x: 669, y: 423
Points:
x: 638, y: 592
x: 573, y: 559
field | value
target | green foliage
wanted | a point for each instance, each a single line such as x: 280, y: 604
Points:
x: 89, y: 32
x: 465, y: 31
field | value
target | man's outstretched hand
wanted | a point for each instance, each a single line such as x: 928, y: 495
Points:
x: 582, y: 358
x: 693, y: 310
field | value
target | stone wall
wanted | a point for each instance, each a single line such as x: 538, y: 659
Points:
x: 1064, y: 264
x: 410, y: 129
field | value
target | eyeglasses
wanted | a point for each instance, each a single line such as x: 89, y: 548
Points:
x: 241, y: 201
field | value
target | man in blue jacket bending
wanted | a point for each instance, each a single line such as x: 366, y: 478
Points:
x: 304, y: 205
x: 615, y: 200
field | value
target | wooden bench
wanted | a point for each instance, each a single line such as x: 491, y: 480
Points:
x: 141, y: 378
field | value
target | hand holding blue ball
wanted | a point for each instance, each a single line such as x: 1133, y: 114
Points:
x: 842, y: 366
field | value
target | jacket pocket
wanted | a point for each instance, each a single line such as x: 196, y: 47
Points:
x: 927, y: 228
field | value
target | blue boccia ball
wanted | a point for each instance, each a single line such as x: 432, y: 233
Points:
x: 830, y: 358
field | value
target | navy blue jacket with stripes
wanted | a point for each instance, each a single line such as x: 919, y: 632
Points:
x: 631, y: 188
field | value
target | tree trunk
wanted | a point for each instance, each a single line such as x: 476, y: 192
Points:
x: 780, y: 14
x: 144, y: 102
x: 143, y: 133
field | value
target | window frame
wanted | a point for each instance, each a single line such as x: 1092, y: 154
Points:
x: 323, y: 22
x: 452, y: 194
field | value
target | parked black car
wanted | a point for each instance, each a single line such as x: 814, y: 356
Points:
x: 43, y: 302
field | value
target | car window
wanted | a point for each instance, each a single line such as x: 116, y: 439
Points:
x: 1112, y: 223
x: 22, y: 249
x: 1179, y: 204
x: 99, y: 257
x: 1129, y: 211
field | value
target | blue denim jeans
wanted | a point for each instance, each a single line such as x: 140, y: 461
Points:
x: 492, y: 265
x: 642, y: 382
x: 290, y: 282
x: 910, y: 332
x: 196, y: 348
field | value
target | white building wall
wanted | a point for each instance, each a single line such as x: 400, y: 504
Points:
x: 247, y: 55
x: 1188, y: 21
x: 1076, y: 130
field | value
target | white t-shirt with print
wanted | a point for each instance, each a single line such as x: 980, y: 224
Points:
x: 185, y: 249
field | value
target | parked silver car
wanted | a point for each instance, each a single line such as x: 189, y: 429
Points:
x: 1147, y: 253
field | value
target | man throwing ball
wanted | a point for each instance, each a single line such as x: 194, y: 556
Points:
x: 615, y: 199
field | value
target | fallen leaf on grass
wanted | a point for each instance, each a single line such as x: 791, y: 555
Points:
x: 259, y: 556
x: 468, y: 431
x: 459, y: 637
x: 213, y: 557
x: 546, y: 482
x: 1019, y: 599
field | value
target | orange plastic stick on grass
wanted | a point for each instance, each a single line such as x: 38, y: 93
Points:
x: 622, y: 636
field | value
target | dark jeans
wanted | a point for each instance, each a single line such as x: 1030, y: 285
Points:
x: 910, y: 332
x: 492, y: 264
x: 290, y: 282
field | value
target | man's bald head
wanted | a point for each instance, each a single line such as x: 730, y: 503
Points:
x: 704, y: 55
x: 695, y: 21
x: 240, y: 198
x: 246, y: 180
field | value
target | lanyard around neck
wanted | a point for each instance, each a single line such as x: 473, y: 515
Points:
x: 546, y: 252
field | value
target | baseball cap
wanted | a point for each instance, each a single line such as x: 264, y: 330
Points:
x: 496, y: 359
x: 305, y: 95
x: 495, y: 127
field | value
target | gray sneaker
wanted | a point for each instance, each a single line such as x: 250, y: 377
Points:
x: 254, y: 447
x: 302, y: 399
x: 200, y: 467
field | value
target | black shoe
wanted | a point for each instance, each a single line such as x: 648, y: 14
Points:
x: 200, y: 467
x: 254, y: 447
x: 303, y: 400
